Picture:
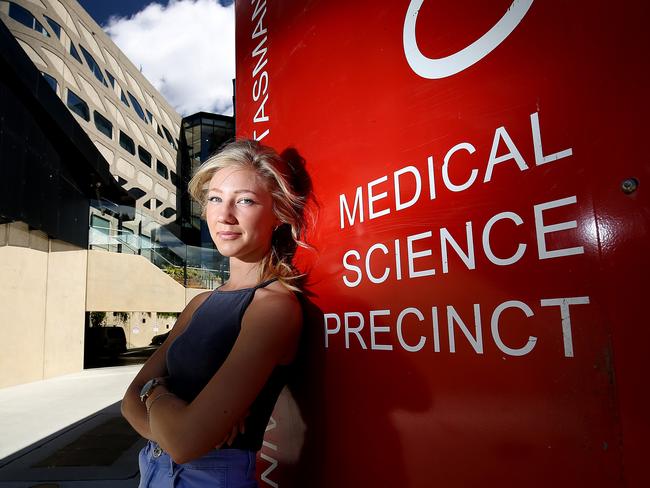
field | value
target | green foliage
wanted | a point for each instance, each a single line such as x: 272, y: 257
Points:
x: 168, y: 314
x: 96, y: 318
x: 121, y: 316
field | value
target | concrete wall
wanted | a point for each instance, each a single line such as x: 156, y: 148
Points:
x: 130, y: 283
x: 22, y: 302
x: 65, y: 312
x: 46, y: 287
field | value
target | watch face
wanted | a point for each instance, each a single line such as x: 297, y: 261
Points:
x: 144, y: 393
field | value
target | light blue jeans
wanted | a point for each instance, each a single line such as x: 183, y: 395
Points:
x: 220, y: 468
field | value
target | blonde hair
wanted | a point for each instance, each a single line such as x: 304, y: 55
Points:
x: 290, y: 200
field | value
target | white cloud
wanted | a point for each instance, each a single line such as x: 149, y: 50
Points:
x: 186, y: 50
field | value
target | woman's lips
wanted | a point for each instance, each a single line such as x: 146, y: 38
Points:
x: 228, y: 235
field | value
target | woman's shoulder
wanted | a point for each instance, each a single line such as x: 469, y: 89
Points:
x: 277, y: 301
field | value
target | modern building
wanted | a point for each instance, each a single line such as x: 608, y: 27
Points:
x: 129, y: 122
x: 89, y: 163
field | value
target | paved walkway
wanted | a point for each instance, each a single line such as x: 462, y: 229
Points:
x: 67, y: 432
x: 33, y: 411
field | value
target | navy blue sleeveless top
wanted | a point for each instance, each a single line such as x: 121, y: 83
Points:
x: 196, y: 355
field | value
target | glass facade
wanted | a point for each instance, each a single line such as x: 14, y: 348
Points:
x: 74, y: 53
x: 201, y: 135
x: 136, y: 106
x: 25, y: 17
x: 51, y: 80
x: 127, y: 143
x: 93, y: 66
x: 161, y: 169
x: 78, y: 106
x: 56, y: 28
x: 145, y: 156
x: 103, y: 125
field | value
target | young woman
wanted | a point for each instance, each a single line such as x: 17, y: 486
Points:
x: 205, y: 397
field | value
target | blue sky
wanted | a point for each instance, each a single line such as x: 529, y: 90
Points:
x: 166, y: 40
x: 101, y: 10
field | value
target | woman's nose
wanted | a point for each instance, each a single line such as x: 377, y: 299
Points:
x: 225, y: 215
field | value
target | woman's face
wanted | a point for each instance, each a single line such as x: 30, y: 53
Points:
x: 239, y: 213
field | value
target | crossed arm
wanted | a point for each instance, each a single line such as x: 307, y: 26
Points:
x: 269, y: 336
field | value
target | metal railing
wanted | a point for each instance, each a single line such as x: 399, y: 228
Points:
x: 191, y: 266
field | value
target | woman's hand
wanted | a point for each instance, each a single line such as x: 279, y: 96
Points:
x: 238, y: 428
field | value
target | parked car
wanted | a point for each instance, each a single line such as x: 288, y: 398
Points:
x: 104, y: 342
x: 157, y: 340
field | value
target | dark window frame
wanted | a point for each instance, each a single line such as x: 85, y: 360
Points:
x: 145, y: 156
x: 74, y: 105
x: 106, y: 128
x: 93, y: 65
x: 127, y: 143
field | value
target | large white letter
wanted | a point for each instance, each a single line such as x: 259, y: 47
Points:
x: 352, y: 267
x: 374, y: 329
x: 476, y: 342
x: 400, y: 336
x: 445, y: 167
x: 358, y: 203
x: 353, y: 330
x: 537, y: 144
x: 373, y: 198
x: 494, y: 322
x: 368, y: 271
x: 418, y: 187
x: 502, y: 133
x: 521, y: 248
x: 412, y: 256
x: 468, y: 259
x: 329, y: 331
x: 564, y: 303
x: 541, y: 230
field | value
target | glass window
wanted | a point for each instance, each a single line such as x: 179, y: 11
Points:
x: 127, y: 143
x: 77, y: 105
x: 74, y: 52
x: 159, y: 131
x: 103, y: 225
x: 174, y: 177
x: 168, y: 212
x: 158, y: 203
x: 161, y: 169
x: 149, y: 116
x: 56, y: 28
x: 25, y: 17
x: 169, y: 137
x: 51, y: 80
x: 136, y: 192
x: 103, y: 124
x: 92, y: 64
x: 144, y: 155
x: 147, y: 204
x: 136, y: 106
x: 111, y: 78
x: 123, y: 98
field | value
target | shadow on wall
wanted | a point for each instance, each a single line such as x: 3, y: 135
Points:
x: 335, y: 419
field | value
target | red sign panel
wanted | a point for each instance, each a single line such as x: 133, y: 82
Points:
x: 478, y: 308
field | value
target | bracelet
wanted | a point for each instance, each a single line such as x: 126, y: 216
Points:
x: 156, y: 399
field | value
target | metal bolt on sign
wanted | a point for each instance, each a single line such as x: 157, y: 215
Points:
x: 629, y: 185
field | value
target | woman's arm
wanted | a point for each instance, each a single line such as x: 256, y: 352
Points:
x: 269, y: 336
x: 133, y: 409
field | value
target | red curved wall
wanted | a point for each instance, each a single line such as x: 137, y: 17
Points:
x: 479, y: 283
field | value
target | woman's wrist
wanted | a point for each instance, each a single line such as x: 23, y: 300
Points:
x: 157, y: 393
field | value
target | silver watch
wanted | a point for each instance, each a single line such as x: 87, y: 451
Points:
x: 148, y: 388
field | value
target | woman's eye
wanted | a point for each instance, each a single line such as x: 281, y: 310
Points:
x: 246, y: 201
x: 214, y: 199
